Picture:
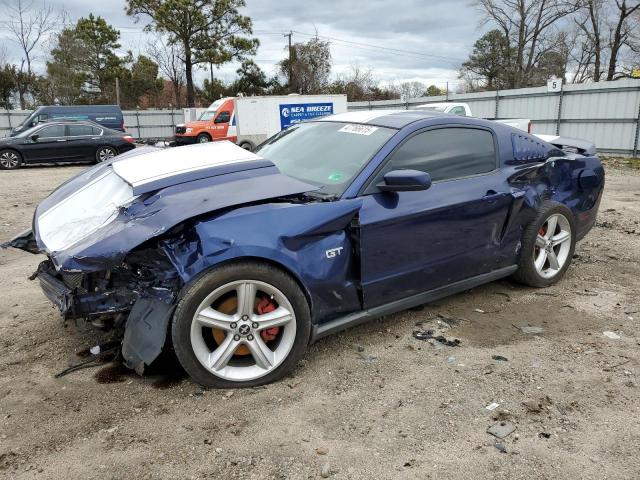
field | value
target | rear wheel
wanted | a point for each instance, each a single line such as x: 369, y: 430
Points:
x: 105, y: 153
x: 548, y: 244
x: 247, y: 146
x: 203, y: 138
x: 10, y: 160
x: 241, y: 325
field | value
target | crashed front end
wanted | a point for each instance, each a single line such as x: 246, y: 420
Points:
x: 107, y: 231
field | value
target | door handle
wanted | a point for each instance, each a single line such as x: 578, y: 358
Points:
x: 61, y: 140
x: 491, y: 196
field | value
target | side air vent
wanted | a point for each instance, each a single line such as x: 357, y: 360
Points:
x: 527, y: 148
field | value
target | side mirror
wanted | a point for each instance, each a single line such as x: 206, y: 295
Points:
x: 35, y: 137
x: 405, y: 181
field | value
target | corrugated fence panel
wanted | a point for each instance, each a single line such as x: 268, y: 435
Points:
x: 10, y: 119
x: 606, y: 113
x: 152, y: 123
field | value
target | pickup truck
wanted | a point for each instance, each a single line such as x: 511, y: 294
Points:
x: 458, y: 108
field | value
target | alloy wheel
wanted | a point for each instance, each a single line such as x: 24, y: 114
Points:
x: 248, y: 340
x: 9, y: 159
x: 106, y: 153
x: 552, y: 246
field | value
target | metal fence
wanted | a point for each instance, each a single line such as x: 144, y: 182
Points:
x: 139, y: 123
x: 606, y: 113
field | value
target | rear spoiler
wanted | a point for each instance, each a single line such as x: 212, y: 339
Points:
x: 570, y: 145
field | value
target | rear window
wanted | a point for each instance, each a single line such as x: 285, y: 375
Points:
x: 83, y: 130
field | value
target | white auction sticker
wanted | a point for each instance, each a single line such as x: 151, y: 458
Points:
x: 358, y: 129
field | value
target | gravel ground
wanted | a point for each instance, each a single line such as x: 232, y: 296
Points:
x: 372, y: 402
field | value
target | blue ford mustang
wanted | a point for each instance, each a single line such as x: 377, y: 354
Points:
x: 240, y: 260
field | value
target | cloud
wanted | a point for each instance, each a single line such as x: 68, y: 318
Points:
x: 401, y: 40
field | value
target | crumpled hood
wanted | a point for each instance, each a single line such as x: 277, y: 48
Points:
x: 156, y: 190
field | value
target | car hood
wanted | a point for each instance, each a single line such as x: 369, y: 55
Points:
x: 197, y: 123
x: 94, y: 219
x: 8, y: 140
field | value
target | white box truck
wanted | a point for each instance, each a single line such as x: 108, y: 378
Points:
x: 249, y: 121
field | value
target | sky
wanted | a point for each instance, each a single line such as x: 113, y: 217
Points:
x: 401, y: 40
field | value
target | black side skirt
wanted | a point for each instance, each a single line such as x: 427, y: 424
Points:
x: 363, y: 316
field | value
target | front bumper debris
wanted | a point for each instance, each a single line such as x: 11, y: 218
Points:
x: 56, y: 291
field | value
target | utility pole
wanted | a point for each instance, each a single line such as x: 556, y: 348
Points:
x: 290, y: 58
x: 117, y: 91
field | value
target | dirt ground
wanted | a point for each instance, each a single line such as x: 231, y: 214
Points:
x: 373, y: 402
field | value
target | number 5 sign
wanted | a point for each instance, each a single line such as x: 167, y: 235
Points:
x: 554, y: 84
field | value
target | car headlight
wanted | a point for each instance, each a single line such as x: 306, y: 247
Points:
x: 188, y: 130
x: 83, y: 212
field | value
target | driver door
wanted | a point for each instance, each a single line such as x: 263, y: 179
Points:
x: 221, y: 125
x: 50, y: 145
x: 416, y: 241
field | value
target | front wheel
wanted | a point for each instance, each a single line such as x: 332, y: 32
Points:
x: 203, y: 138
x: 10, y: 159
x: 241, y: 325
x: 104, y: 154
x: 548, y: 244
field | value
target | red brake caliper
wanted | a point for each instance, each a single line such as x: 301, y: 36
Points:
x: 267, y: 305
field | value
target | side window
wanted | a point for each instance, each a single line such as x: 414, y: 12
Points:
x: 458, y: 111
x: 447, y: 153
x: 51, y: 131
x: 82, y: 130
x: 223, y: 117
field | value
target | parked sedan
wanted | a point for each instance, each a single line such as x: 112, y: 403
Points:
x: 243, y: 259
x: 63, y: 142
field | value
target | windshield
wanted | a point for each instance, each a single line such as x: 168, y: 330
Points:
x: 27, y: 121
x: 29, y: 131
x: 326, y: 154
x: 208, y: 115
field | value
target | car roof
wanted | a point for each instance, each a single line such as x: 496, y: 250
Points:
x: 71, y: 121
x: 384, y: 118
x: 78, y: 107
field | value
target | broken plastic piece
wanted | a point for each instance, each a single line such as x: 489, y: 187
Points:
x: 501, y: 429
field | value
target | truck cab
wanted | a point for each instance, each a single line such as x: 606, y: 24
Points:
x: 216, y: 123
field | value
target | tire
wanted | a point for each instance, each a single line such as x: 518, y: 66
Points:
x: 536, y: 265
x: 203, y: 138
x: 247, y: 146
x: 105, y: 153
x: 10, y: 159
x: 227, y: 358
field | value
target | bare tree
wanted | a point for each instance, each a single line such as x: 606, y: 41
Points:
x: 621, y: 33
x: 528, y: 24
x: 170, y: 61
x: 588, y: 44
x: 30, y: 25
x: 409, y: 90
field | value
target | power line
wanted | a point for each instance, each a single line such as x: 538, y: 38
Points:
x: 380, y: 47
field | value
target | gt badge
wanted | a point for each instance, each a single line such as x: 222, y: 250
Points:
x: 333, y: 252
